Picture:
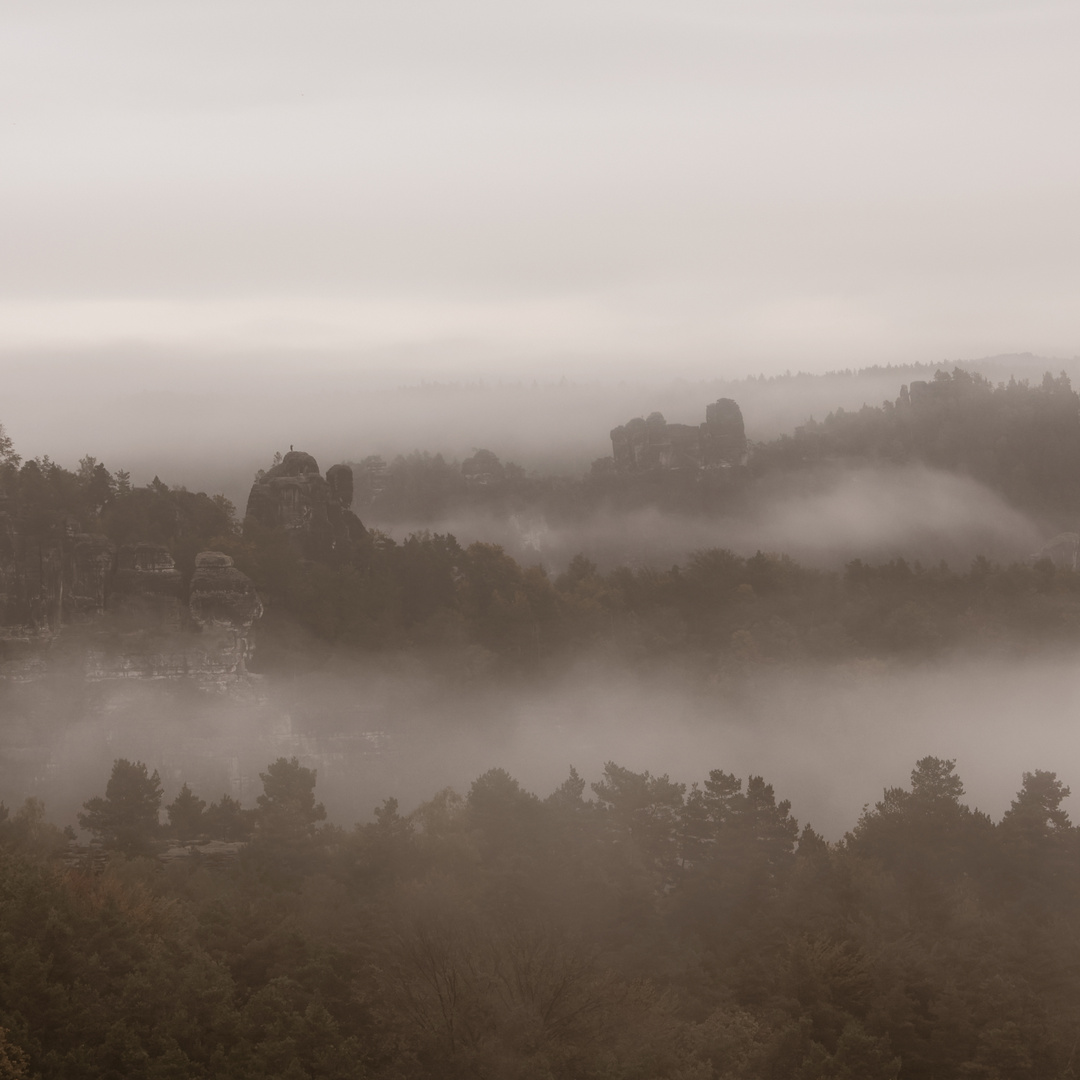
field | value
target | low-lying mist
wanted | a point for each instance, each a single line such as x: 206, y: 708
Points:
x: 822, y: 518
x: 209, y: 422
x: 829, y: 740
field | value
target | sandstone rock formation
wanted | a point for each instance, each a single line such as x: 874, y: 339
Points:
x: 153, y: 630
x: 315, y: 512
x: 641, y: 445
x: 147, y: 588
x: 723, y: 435
x: 76, y: 603
x: 1063, y: 551
x: 221, y: 596
x: 70, y: 600
x: 90, y: 572
x: 33, y: 574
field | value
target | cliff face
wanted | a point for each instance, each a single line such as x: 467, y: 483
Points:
x: 315, y: 512
x: 32, y: 573
x: 147, y: 589
x: 72, y: 601
x: 91, y: 570
x: 653, y: 443
x: 159, y: 632
x: 221, y: 597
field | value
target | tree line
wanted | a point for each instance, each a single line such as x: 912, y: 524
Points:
x: 483, y: 611
x: 127, y: 817
x: 718, y: 612
x: 640, y: 929
x: 1021, y: 440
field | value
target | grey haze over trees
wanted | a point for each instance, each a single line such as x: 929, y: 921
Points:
x: 649, y: 930
x: 126, y: 818
x: 287, y: 811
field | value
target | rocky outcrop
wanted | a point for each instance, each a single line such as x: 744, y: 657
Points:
x: 339, y: 479
x: 34, y: 579
x: 75, y: 603
x: 723, y: 435
x: 52, y: 575
x: 221, y: 597
x: 213, y: 644
x: 224, y: 605
x: 147, y: 588
x: 315, y: 512
x: 71, y: 600
x: 642, y: 445
x: 1063, y: 551
x: 90, y: 573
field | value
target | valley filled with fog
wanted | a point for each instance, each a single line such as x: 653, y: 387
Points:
x: 539, y: 541
x: 209, y: 422
x: 438, y: 701
x: 698, y: 750
x: 830, y: 741
x: 823, y: 518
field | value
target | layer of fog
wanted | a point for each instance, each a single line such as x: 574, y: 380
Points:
x: 829, y: 741
x: 209, y: 422
x: 822, y: 518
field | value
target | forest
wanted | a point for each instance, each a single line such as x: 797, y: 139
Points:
x: 636, y: 927
x: 1018, y: 439
x: 639, y: 929
x: 476, y: 609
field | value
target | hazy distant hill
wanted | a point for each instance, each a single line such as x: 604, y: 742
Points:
x: 1018, y: 439
x: 210, y: 427
x: 776, y: 405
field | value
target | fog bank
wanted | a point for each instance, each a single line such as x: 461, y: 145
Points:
x: 828, y: 740
x: 209, y: 421
x: 820, y: 518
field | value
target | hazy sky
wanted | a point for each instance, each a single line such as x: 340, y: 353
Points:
x: 728, y: 185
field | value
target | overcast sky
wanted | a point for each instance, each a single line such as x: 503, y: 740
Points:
x: 731, y: 186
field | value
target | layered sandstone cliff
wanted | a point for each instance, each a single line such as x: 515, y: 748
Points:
x: 156, y: 629
x: 75, y: 603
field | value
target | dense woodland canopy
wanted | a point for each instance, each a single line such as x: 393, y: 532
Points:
x: 1020, y: 440
x: 718, y: 611
x: 636, y: 930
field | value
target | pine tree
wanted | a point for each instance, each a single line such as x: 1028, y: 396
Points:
x: 126, y: 819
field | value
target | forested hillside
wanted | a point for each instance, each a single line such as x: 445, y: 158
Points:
x: 625, y: 930
x: 629, y: 928
x: 1021, y: 440
x: 478, y: 609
